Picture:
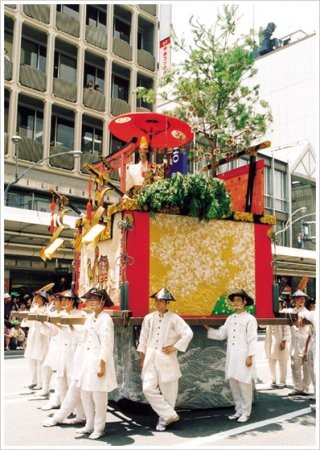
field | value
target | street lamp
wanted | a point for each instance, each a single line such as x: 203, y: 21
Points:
x: 289, y: 222
x: 16, y: 140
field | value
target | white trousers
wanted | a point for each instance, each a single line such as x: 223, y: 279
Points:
x: 60, y: 391
x: 161, y: 396
x: 35, y: 371
x: 61, y: 386
x: 95, y: 405
x: 46, y: 375
x: 242, y: 394
x: 311, y: 365
x: 283, y: 368
x: 300, y: 374
x: 71, y: 402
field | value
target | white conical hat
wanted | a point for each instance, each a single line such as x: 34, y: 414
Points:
x: 163, y: 294
x: 300, y: 293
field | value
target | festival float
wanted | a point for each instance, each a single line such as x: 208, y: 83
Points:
x: 201, y: 237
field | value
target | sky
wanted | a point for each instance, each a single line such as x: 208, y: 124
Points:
x: 288, y: 16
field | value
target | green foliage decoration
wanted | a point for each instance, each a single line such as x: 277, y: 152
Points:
x: 191, y: 195
x: 224, y: 307
x: 214, y: 89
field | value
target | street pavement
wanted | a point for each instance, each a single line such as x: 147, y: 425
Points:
x: 277, y: 420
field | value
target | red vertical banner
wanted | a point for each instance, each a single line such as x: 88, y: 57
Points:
x: 138, y: 244
x: 164, y: 57
x: 263, y: 272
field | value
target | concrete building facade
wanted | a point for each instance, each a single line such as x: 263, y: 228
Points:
x: 68, y: 70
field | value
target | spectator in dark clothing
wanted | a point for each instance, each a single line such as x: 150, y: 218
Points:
x: 7, y: 306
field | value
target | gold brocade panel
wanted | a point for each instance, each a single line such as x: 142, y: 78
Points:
x: 200, y: 265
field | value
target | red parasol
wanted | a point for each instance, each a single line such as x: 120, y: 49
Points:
x: 161, y: 130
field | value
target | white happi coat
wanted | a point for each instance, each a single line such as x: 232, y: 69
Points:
x: 37, y: 343
x: 298, y: 335
x: 241, y: 332
x: 67, y: 341
x: 312, y: 317
x: 50, y: 330
x: 275, y: 334
x: 98, y: 345
x: 158, y: 332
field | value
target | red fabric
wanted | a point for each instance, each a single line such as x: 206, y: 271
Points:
x: 138, y: 273
x: 263, y: 271
x: 236, y: 182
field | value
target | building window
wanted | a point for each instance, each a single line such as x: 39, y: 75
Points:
x: 30, y: 123
x: 71, y: 10
x: 276, y: 191
x: 33, y: 54
x: 95, y: 75
x: 6, y: 111
x: 62, y: 131
x: 121, y: 30
x: 120, y: 88
x: 147, y: 83
x: 96, y: 18
x: 145, y: 36
x: 91, y: 139
x: 65, y: 68
x: 65, y: 61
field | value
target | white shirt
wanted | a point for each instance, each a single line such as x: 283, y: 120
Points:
x: 241, y: 331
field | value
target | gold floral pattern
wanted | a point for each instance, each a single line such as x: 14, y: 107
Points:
x: 198, y: 264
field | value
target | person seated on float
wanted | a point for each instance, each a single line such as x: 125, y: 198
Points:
x: 136, y: 172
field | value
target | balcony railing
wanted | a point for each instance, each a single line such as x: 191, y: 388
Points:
x: 38, y: 12
x: 151, y: 9
x: 33, y: 78
x: 146, y: 60
x: 6, y: 143
x: 62, y: 161
x: 65, y: 89
x: 93, y: 99
x: 143, y: 109
x: 7, y: 70
x: 89, y: 158
x: 122, y: 48
x: 96, y: 37
x: 68, y: 24
x: 30, y: 150
x: 119, y: 106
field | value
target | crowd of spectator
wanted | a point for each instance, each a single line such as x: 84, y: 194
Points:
x: 15, y: 336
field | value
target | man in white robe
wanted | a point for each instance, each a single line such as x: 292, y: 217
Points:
x: 241, y: 331
x: 163, y: 334
x: 37, y: 344
x: 299, y: 335
x: 277, y: 346
x: 97, y: 375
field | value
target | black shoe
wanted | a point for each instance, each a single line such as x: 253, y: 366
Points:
x: 30, y: 386
x: 296, y: 392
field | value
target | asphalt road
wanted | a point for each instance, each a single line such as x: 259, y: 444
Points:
x: 277, y: 420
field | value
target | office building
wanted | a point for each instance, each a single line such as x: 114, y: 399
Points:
x: 68, y: 70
